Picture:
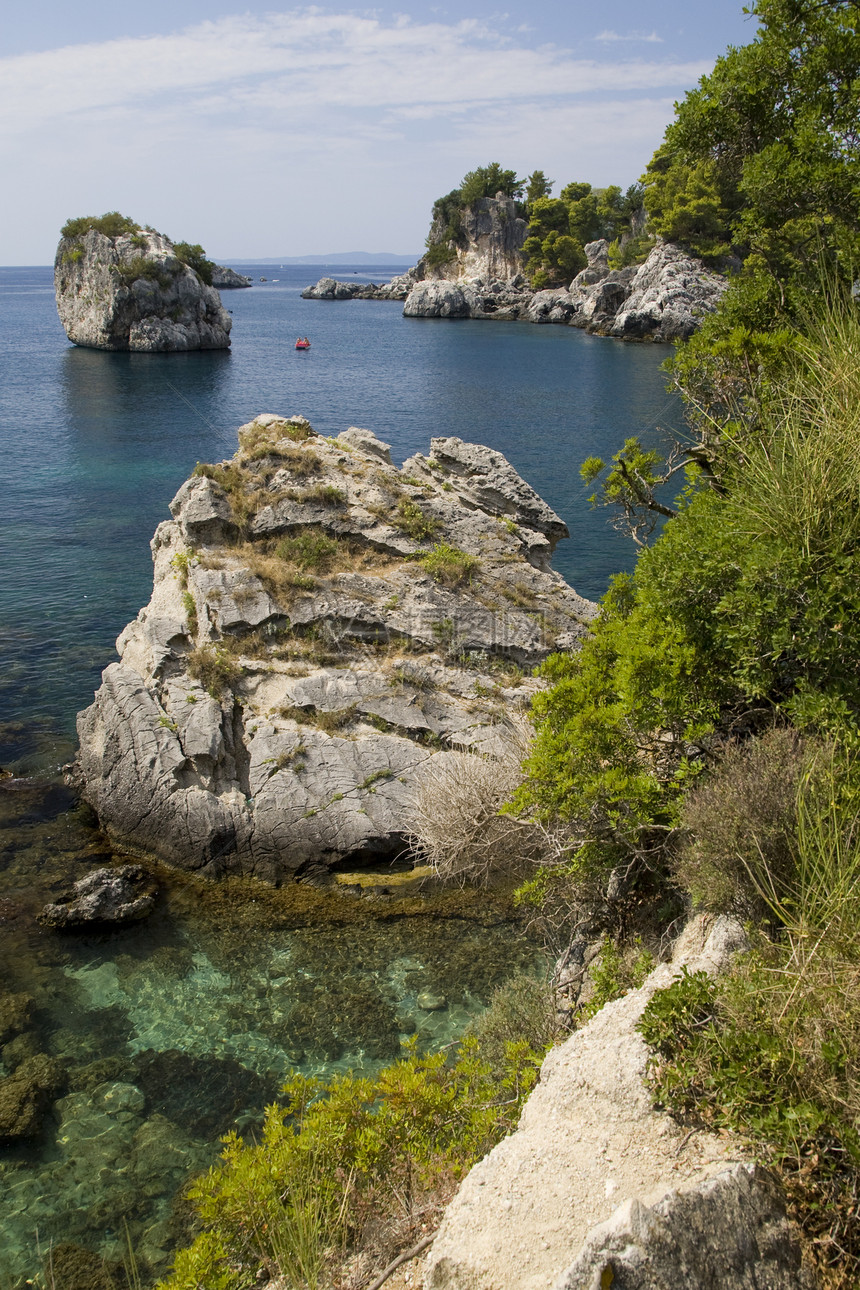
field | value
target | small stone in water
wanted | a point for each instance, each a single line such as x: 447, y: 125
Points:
x: 430, y: 1002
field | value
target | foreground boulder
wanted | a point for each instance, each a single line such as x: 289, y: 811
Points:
x: 596, y: 1188
x: 132, y: 292
x: 322, y: 625
x: 106, y: 896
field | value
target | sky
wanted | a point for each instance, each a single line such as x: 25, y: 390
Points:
x: 296, y: 131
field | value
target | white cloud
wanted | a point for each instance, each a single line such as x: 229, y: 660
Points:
x: 651, y: 38
x: 264, y: 134
x: 331, y: 60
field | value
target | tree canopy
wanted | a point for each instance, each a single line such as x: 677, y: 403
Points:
x: 764, y: 153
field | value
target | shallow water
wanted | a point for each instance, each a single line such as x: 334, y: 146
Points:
x: 171, y: 1032
x: 167, y: 1034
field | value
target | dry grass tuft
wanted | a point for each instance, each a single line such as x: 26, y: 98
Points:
x: 454, y: 822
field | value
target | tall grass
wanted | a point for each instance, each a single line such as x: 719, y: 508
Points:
x: 802, y: 480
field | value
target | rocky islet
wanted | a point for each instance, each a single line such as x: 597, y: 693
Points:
x: 132, y: 292
x: 322, y: 625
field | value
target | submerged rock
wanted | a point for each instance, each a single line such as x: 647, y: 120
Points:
x: 132, y: 292
x: 321, y: 625
x: 27, y: 1095
x: 113, y: 896
x: 16, y: 1011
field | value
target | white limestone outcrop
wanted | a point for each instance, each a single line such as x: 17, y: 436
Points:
x: 338, y: 662
x: 596, y: 1188
x: 131, y: 292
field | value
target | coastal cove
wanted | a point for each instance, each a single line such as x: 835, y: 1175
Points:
x: 230, y: 986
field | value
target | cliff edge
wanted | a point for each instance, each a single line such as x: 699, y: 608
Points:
x: 322, y: 624
x: 133, y: 292
x: 596, y: 1188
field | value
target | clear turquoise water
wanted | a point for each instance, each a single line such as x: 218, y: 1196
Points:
x: 169, y: 1033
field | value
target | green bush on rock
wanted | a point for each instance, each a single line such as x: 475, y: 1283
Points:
x: 348, y: 1163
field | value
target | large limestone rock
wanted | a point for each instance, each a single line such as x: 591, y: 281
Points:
x: 132, y: 293
x: 225, y: 279
x: 596, y: 1188
x: 668, y: 297
x: 491, y: 241
x: 301, y: 658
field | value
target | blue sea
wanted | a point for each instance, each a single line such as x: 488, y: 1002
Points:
x: 138, y: 1023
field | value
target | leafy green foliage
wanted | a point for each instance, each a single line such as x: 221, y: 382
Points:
x: 685, y: 204
x: 486, y: 181
x: 415, y: 522
x: 537, y: 185
x: 771, y: 1054
x: 112, y: 225
x: 630, y: 486
x: 336, y: 1156
x: 449, y: 566
x: 309, y: 549
x: 613, y: 973
x: 747, y: 606
x: 764, y: 155
x: 195, y: 257
x: 559, y: 228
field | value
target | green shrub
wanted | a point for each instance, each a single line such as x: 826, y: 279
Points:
x: 521, y: 1010
x: 141, y: 266
x: 773, y: 1057
x: 337, y: 1158
x: 195, y: 257
x: 213, y: 668
x: 415, y: 522
x: 742, y: 822
x: 615, y: 971
x: 112, y: 225
x: 439, y: 254
x: 309, y: 549
x: 450, y: 566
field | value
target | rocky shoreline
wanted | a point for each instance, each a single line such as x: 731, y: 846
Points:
x: 662, y: 300
x: 322, y: 625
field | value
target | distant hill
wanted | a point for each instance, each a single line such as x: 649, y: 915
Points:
x: 335, y: 257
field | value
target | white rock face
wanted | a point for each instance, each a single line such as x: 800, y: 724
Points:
x: 493, y: 236
x: 345, y: 675
x: 132, y: 293
x: 596, y: 1188
x: 226, y: 279
x: 667, y: 299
